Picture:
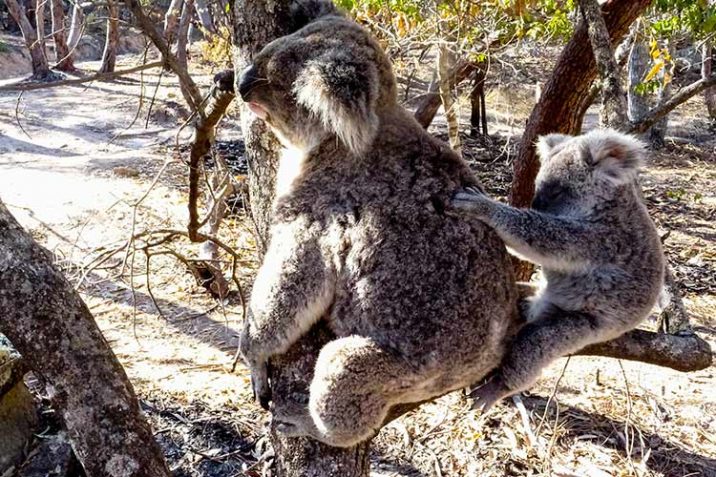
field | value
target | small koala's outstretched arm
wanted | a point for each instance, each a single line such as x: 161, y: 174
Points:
x: 552, y: 241
x: 293, y: 289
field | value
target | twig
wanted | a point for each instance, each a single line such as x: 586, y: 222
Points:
x: 17, y: 114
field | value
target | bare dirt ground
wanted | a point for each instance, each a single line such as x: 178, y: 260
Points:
x: 74, y: 165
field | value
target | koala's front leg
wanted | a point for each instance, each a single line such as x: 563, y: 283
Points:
x: 555, y: 242
x: 293, y: 289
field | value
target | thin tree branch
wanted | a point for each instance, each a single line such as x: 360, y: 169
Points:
x: 71, y: 82
x: 669, y: 105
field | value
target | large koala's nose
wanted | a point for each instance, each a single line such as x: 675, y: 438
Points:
x: 247, y: 80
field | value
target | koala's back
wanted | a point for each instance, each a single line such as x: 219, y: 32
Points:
x: 434, y: 287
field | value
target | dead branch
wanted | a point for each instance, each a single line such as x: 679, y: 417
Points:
x: 222, y: 94
x: 71, y: 82
x: 669, y: 105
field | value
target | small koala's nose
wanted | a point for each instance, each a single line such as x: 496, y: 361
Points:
x: 246, y: 80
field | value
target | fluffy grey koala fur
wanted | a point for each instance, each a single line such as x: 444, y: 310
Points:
x: 422, y: 300
x: 599, y: 250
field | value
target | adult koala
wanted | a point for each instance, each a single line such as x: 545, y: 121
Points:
x: 422, y: 301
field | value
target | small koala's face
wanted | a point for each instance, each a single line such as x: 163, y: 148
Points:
x: 325, y: 79
x: 578, y: 173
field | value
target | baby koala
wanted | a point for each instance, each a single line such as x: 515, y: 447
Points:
x: 599, y: 251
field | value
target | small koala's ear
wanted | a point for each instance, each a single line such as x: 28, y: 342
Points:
x: 304, y: 12
x: 614, y: 155
x: 342, y: 92
x: 545, y: 144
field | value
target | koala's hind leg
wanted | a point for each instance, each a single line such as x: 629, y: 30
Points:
x: 555, y: 334
x: 354, y: 385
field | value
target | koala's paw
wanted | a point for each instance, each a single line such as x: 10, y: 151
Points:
x: 260, y: 384
x: 470, y: 198
x: 486, y: 395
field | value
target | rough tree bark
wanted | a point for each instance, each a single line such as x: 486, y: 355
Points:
x: 111, y: 42
x: 63, y: 54
x: 40, y: 66
x: 257, y: 22
x: 614, y: 101
x: 637, y: 66
x: 46, y: 320
x: 706, y: 72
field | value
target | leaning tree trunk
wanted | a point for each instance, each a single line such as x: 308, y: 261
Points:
x: 63, y: 54
x: 256, y: 23
x: 171, y: 20
x: 111, y: 42
x: 562, y: 106
x: 706, y: 72
x: 49, y: 324
x: 40, y: 66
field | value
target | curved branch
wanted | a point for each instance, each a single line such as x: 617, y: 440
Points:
x: 669, y: 105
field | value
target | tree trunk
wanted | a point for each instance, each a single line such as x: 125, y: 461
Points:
x: 40, y: 8
x: 40, y: 66
x: 183, y: 32
x: 76, y: 26
x: 706, y: 72
x: 447, y: 60
x: 478, y: 106
x: 109, y: 56
x: 257, y: 22
x: 561, y: 107
x: 46, y: 320
x: 614, y: 102
x: 63, y: 54
x: 638, y: 106
x: 202, y: 11
x: 171, y: 20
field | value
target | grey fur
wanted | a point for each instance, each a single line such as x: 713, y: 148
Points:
x: 599, y: 250
x: 422, y: 300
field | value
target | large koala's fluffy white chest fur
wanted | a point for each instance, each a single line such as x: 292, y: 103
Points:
x: 290, y: 167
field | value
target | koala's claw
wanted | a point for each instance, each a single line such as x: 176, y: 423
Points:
x: 260, y: 386
x: 486, y: 395
x: 466, y: 197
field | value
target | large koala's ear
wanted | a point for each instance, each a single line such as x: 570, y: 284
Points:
x: 615, y: 156
x: 546, y: 144
x: 304, y: 12
x: 341, y: 91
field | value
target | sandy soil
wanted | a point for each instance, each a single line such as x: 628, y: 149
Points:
x: 73, y: 166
